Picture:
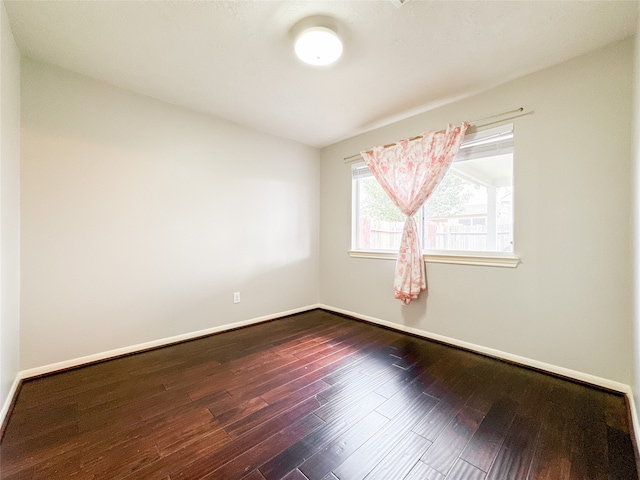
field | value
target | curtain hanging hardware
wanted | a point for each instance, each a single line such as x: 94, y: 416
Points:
x: 471, y: 124
x: 517, y: 110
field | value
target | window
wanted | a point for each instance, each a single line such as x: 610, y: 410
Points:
x: 469, y: 213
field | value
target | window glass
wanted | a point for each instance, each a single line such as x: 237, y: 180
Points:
x: 471, y: 210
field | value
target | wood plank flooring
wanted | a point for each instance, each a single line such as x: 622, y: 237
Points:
x: 314, y: 396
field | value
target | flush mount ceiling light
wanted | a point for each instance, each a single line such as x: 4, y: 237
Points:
x: 318, y: 46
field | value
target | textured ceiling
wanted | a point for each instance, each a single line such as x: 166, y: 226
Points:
x: 235, y: 59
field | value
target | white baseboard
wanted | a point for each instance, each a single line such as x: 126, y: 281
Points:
x: 13, y: 391
x: 547, y: 367
x: 565, y: 372
x: 76, y: 362
x: 634, y: 415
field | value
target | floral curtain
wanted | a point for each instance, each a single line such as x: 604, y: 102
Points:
x: 409, y: 172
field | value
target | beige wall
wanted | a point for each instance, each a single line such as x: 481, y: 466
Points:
x: 569, y: 303
x: 9, y: 210
x: 140, y: 219
x: 134, y: 213
x: 636, y: 220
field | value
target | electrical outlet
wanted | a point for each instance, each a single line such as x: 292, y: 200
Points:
x: 236, y: 297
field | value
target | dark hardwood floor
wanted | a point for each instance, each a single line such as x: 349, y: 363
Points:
x: 314, y: 396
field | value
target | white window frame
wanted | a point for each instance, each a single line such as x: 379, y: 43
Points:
x: 492, y: 259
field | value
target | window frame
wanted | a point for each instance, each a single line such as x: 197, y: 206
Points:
x: 491, y: 259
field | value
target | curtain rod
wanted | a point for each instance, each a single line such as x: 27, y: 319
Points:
x: 471, y: 124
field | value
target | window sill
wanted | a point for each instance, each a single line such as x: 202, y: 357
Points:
x: 458, y: 258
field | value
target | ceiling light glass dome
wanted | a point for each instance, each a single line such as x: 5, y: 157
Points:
x: 318, y: 46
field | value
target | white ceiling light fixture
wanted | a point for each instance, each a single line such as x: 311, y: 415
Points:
x: 318, y: 46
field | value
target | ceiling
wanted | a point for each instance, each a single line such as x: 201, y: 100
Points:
x: 234, y: 59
